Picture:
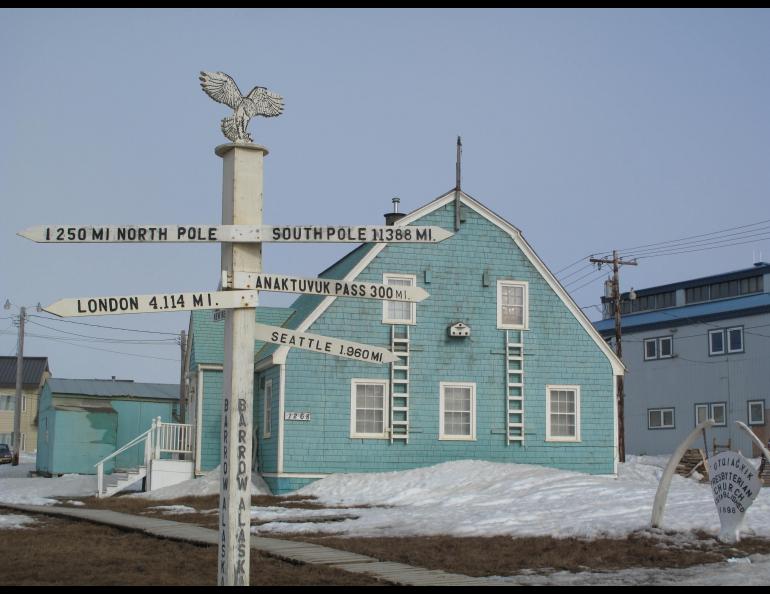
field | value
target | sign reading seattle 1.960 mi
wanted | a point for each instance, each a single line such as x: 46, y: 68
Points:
x: 234, y: 233
x: 161, y: 302
x: 324, y: 344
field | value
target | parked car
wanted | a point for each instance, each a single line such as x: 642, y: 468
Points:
x: 6, y: 456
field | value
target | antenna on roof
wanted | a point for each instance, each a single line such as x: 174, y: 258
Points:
x: 458, y: 176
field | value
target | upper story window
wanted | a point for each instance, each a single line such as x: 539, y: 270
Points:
x: 399, y: 312
x: 724, y: 289
x: 512, y: 305
x: 658, y: 348
x: 724, y: 341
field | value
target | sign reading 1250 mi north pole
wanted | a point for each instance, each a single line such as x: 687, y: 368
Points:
x: 234, y: 234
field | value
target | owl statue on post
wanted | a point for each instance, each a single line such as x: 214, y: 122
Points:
x: 259, y: 102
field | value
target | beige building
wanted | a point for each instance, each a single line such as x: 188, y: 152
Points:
x: 35, y: 372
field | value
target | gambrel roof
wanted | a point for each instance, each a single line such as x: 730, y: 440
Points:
x: 309, y: 308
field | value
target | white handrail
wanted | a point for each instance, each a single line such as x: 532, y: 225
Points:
x: 159, y: 438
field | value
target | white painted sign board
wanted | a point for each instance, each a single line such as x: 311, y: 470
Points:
x: 157, y: 303
x: 734, y: 484
x: 321, y: 286
x: 235, y: 233
x: 324, y: 344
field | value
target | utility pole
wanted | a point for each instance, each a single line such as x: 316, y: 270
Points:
x: 617, y: 262
x: 182, y: 378
x: 19, y: 378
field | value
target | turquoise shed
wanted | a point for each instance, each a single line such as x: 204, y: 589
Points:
x: 498, y: 364
x: 82, y: 421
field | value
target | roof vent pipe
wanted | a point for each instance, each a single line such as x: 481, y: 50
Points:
x: 392, y: 217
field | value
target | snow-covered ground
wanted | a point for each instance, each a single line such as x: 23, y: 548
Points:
x: 474, y: 498
x: 17, y: 487
x: 208, y: 484
x: 14, y: 521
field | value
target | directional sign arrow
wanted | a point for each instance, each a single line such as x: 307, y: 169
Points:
x: 162, y: 302
x: 324, y: 344
x: 323, y: 286
x: 234, y: 233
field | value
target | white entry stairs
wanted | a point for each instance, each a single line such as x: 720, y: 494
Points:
x: 119, y: 480
x: 161, y: 438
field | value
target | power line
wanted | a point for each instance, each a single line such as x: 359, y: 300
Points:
x: 82, y: 346
x: 108, y: 339
x: 103, y: 326
x: 660, y: 243
x: 710, y: 246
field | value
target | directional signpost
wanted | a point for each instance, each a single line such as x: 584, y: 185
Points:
x: 241, y: 235
x: 233, y: 234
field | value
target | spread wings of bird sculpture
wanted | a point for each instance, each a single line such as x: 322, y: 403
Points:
x: 221, y: 88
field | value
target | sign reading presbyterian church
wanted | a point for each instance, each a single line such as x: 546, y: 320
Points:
x: 735, y: 485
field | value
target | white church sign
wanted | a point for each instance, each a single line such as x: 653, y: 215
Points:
x: 735, y: 484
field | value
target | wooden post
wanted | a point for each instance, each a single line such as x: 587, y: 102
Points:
x: 19, y: 388
x: 241, y: 205
x: 617, y: 262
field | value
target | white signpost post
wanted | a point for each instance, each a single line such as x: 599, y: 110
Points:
x: 241, y: 235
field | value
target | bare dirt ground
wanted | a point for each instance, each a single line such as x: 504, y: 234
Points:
x: 508, y: 556
x: 483, y: 556
x: 59, y: 552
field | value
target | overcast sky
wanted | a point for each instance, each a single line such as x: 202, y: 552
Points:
x: 588, y: 130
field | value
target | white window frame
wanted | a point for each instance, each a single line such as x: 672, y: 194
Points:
x: 267, y: 409
x: 561, y: 438
x: 670, y: 339
x: 525, y: 314
x: 724, y: 346
x: 646, y: 342
x: 386, y: 319
x: 662, y: 412
x: 712, y: 406
x: 385, y: 409
x: 761, y: 404
x: 727, y: 340
x: 441, y: 435
x: 707, y: 416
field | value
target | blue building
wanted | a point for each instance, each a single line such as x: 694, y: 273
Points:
x: 83, y: 421
x: 696, y: 349
x: 497, y: 364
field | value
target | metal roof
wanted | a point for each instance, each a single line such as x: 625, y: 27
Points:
x: 32, y: 371
x: 113, y: 389
x: 688, y: 314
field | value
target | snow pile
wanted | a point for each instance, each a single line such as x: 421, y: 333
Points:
x: 40, y: 491
x: 174, y: 509
x: 14, y: 521
x: 475, y: 498
x: 208, y: 484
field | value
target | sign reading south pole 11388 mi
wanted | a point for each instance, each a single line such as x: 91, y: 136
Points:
x: 735, y: 485
x: 235, y: 234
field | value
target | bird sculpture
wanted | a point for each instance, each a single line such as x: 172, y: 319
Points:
x: 222, y: 88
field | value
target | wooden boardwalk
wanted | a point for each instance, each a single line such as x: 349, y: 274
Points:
x: 288, y: 550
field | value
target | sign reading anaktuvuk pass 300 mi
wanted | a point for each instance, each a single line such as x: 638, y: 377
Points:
x: 234, y: 233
